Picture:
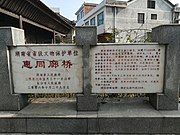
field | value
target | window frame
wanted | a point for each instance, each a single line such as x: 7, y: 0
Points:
x: 100, y: 18
x: 87, y: 23
x: 151, y: 4
x: 93, y: 20
x: 141, y: 19
x: 81, y: 14
x: 153, y: 15
x: 78, y: 17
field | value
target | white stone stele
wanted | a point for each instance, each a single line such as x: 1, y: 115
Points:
x: 46, y: 79
x: 133, y: 68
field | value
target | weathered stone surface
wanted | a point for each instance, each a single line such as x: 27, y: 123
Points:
x: 170, y: 35
x: 118, y: 68
x: 124, y: 125
x: 86, y: 35
x: 135, y: 116
x: 93, y: 126
x: 12, y: 125
x: 12, y: 36
x: 62, y: 63
x: 63, y: 110
x: 171, y: 125
x: 55, y: 125
x: 87, y: 103
x: 128, y: 108
x: 8, y: 101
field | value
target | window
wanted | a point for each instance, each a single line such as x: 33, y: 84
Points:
x: 176, y: 16
x: 78, y: 17
x: 140, y: 17
x: 93, y: 21
x: 153, y: 16
x: 151, y: 4
x: 100, y: 18
x: 87, y: 23
x: 81, y: 14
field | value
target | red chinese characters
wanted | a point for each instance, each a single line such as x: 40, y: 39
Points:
x: 55, y: 53
x: 27, y: 64
x: 40, y: 64
x: 66, y: 64
x: 49, y: 64
x: 53, y: 64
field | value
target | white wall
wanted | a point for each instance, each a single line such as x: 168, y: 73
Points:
x: 126, y: 21
x: 127, y: 18
x: 93, y: 13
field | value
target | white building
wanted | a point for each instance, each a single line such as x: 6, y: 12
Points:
x: 128, y: 21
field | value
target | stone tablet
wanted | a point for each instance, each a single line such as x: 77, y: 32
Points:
x: 127, y: 68
x: 46, y: 69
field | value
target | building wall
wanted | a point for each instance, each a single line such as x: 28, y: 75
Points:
x: 36, y: 35
x: 88, y: 8
x: 127, y: 18
x: 93, y: 13
x: 32, y: 34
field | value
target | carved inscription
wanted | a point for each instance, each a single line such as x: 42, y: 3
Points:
x: 127, y: 69
x: 46, y: 69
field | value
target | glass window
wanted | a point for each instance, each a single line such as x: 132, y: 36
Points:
x: 153, y: 16
x: 140, y: 17
x: 87, y: 23
x: 82, y: 14
x: 78, y: 17
x: 100, y: 18
x: 151, y: 4
x: 93, y: 21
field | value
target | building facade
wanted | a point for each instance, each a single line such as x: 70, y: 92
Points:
x: 131, y: 21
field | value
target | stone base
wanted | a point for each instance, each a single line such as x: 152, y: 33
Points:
x: 9, y: 36
x: 127, y: 117
x: 163, y: 102
x: 87, y: 103
x: 13, y: 102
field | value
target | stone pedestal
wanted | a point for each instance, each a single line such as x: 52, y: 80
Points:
x: 86, y: 37
x: 170, y: 36
x: 8, y: 100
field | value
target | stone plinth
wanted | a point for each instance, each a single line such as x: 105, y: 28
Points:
x: 8, y: 100
x: 86, y: 37
x: 135, y: 116
x: 170, y: 36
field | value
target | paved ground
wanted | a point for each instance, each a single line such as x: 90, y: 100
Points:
x: 67, y: 108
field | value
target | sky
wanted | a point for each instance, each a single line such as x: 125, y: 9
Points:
x: 69, y: 7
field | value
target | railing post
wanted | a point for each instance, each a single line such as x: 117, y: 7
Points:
x: 86, y: 37
x: 8, y: 101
